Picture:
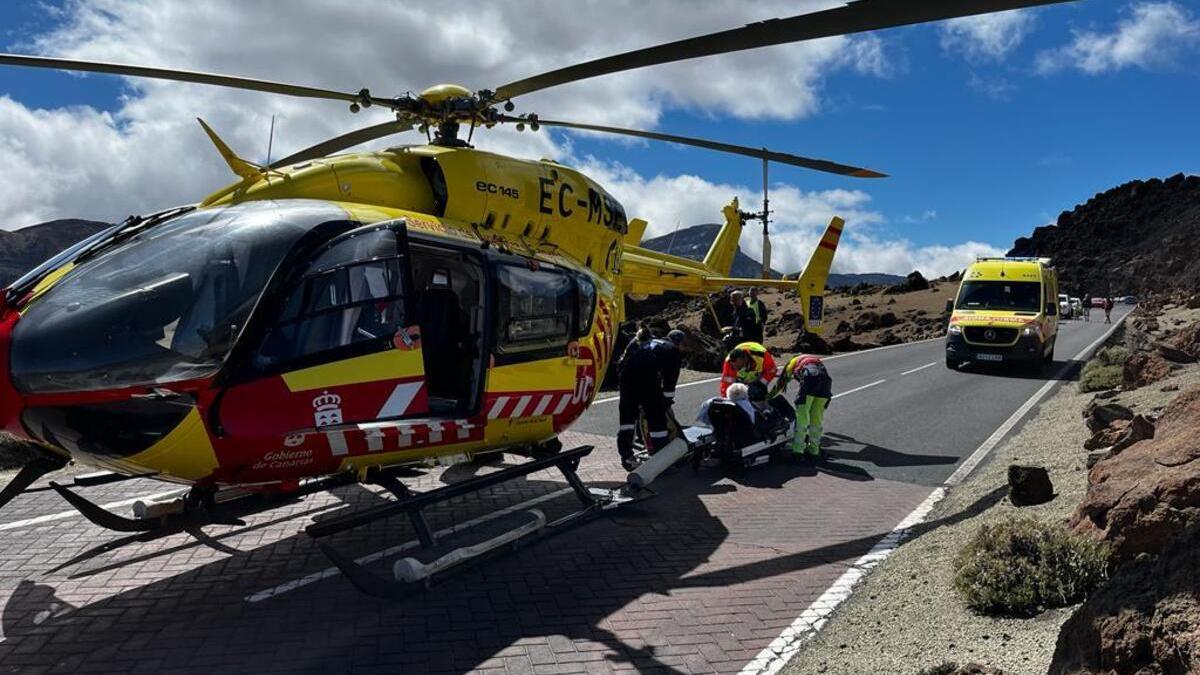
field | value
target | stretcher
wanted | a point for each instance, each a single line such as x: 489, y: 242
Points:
x: 738, y: 440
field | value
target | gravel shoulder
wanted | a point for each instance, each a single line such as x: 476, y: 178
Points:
x: 905, y: 616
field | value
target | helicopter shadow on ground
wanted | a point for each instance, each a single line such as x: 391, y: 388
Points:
x: 209, y: 600
x: 200, y: 537
x: 564, y: 589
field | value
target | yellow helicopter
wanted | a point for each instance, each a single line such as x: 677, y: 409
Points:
x: 329, y: 318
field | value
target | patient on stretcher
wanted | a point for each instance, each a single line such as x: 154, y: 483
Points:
x: 746, y: 417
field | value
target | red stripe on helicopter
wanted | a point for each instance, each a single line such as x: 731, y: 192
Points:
x: 532, y: 404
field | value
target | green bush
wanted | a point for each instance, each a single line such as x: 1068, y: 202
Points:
x: 1025, y: 566
x: 1104, y: 370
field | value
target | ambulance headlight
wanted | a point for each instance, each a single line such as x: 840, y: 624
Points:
x: 954, y: 329
x: 1029, y: 331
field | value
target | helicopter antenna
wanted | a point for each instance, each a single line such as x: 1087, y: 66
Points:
x: 270, y: 140
x: 671, y: 244
x: 766, y: 216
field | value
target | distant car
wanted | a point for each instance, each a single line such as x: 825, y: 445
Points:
x: 1098, y: 303
x: 1064, y: 306
x: 1129, y: 300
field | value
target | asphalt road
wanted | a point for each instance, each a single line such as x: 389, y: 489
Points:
x: 701, y: 578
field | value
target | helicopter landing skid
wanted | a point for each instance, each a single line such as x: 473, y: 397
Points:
x: 195, y: 507
x: 461, y: 546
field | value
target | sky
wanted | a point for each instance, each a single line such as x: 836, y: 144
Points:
x: 987, y: 126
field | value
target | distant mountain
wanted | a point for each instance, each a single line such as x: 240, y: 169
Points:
x: 24, y: 249
x: 693, y: 242
x: 872, y: 278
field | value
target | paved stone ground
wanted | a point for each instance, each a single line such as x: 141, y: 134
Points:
x: 697, y: 579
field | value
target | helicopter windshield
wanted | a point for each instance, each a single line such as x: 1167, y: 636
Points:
x: 163, y: 306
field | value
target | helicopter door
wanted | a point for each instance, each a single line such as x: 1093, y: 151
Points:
x: 338, y: 344
x: 448, y: 285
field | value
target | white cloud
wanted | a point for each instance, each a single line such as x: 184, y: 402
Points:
x: 995, y: 88
x: 987, y: 37
x: 149, y: 153
x: 1152, y: 35
x: 798, y: 219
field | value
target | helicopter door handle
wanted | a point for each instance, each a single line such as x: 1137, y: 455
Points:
x: 157, y: 394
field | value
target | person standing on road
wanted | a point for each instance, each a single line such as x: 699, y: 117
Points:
x: 1108, y: 307
x: 749, y: 362
x: 816, y: 391
x: 745, y: 322
x: 1087, y: 306
x: 669, y: 357
x: 640, y: 393
x: 760, y: 311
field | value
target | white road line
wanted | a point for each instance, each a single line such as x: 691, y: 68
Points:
x: 927, y: 365
x: 72, y: 512
x: 851, y: 391
x: 823, y: 358
x: 399, y: 548
x: 781, y: 650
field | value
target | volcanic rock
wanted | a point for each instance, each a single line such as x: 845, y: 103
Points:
x: 1174, y: 354
x: 810, y: 343
x: 1142, y: 369
x: 915, y: 281
x: 1029, y: 485
x: 1101, y: 415
x: 1140, y: 428
x: 1137, y: 238
x: 1139, y: 497
x: 1145, y: 620
x: 1106, y: 437
x: 1186, y: 340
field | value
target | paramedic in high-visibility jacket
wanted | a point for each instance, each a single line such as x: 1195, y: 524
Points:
x: 747, y: 363
x: 816, y: 390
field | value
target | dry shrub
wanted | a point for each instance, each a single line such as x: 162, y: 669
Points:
x: 1104, y: 371
x: 1024, y: 566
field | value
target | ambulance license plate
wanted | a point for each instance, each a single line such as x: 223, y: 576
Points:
x: 989, y: 357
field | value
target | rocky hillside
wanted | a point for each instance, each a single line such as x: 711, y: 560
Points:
x: 1138, y: 238
x: 23, y: 249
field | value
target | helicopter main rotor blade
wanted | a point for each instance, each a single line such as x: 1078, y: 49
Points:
x: 856, y: 17
x: 760, y: 153
x: 232, y: 81
x: 347, y: 140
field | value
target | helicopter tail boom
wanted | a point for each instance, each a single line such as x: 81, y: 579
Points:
x: 719, y: 259
x: 645, y: 272
x: 811, y: 284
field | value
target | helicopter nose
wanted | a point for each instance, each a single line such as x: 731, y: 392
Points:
x: 11, y: 403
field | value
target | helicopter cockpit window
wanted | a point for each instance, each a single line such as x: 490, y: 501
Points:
x: 534, y: 312
x: 352, y: 293
x: 164, y: 305
x: 587, y: 305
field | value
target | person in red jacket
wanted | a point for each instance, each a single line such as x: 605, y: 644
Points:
x: 747, y: 363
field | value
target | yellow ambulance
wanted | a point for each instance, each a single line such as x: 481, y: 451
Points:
x: 1005, y: 313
